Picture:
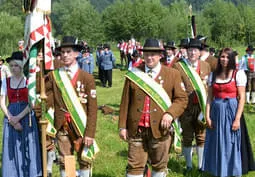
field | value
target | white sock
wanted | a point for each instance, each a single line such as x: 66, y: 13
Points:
x: 200, y: 152
x: 188, y: 156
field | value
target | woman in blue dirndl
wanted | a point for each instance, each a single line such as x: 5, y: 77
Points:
x: 225, y: 103
x: 21, y: 156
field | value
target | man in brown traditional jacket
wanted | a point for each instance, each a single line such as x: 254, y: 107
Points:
x: 189, y: 119
x: 83, y: 85
x: 205, y: 54
x: 142, y: 122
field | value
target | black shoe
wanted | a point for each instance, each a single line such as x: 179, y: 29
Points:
x: 49, y: 175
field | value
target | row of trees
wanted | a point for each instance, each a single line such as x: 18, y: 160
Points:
x: 224, y: 22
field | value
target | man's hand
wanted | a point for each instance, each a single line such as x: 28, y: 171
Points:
x: 88, y: 141
x: 38, y: 111
x: 166, y: 121
x: 123, y: 134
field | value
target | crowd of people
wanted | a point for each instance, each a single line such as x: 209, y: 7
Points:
x: 165, y: 86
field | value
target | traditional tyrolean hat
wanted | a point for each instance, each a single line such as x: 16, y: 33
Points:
x: 184, y: 43
x: 151, y: 45
x: 15, y: 56
x: 70, y: 41
x: 170, y: 45
x: 195, y: 43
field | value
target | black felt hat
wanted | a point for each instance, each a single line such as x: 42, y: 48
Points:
x: 203, y: 41
x: 106, y: 46
x: 135, y: 54
x: 151, y: 45
x: 184, y: 43
x: 170, y: 45
x: 15, y: 56
x: 249, y: 48
x: 211, y: 49
x: 71, y: 41
x: 195, y: 43
x: 85, y: 50
x: 1, y: 59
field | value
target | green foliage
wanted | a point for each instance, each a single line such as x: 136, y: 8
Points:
x: 77, y: 18
x: 176, y: 25
x: 11, y: 32
x: 247, y: 13
x: 117, y: 20
x: 224, y: 32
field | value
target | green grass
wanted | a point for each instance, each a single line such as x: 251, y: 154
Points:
x: 112, y: 159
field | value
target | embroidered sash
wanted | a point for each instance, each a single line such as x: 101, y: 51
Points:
x: 49, y: 115
x: 71, y: 100
x: 198, y: 87
x: 75, y: 109
x: 159, y: 95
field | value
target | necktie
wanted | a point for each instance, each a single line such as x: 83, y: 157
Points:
x: 149, y: 72
x: 69, y: 73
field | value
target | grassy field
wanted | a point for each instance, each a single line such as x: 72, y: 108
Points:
x: 111, y: 160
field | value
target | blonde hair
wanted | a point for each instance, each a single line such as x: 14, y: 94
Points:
x: 19, y: 63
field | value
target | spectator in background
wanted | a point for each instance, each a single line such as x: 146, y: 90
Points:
x: 86, y: 63
x: 99, y: 52
x: 247, y: 64
x: 169, y: 54
x: 136, y: 60
x: 107, y: 63
x: 184, y: 43
x: 212, y: 51
x: 4, y: 70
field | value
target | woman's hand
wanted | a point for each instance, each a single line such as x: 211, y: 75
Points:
x: 13, y: 120
x: 18, y: 127
x: 236, y: 125
x: 209, y: 123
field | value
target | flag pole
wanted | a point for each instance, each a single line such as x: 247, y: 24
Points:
x: 43, y: 120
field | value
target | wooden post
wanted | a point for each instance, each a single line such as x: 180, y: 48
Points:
x: 70, y: 167
x: 43, y: 124
x: 43, y: 121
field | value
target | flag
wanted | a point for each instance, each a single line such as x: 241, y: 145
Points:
x: 37, y: 30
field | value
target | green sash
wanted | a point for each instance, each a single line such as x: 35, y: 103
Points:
x: 159, y: 95
x: 49, y: 115
x: 50, y: 130
x: 198, y: 87
x: 71, y: 100
x: 75, y: 109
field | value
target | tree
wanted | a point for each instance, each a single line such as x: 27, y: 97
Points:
x: 11, y: 31
x: 148, y: 19
x: 176, y: 25
x: 77, y: 18
x: 117, y: 20
x: 225, y: 22
x: 248, y: 16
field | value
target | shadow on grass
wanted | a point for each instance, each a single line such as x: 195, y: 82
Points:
x: 175, y: 166
x: 123, y: 153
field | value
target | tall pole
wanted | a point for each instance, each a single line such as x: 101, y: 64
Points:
x: 43, y: 120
